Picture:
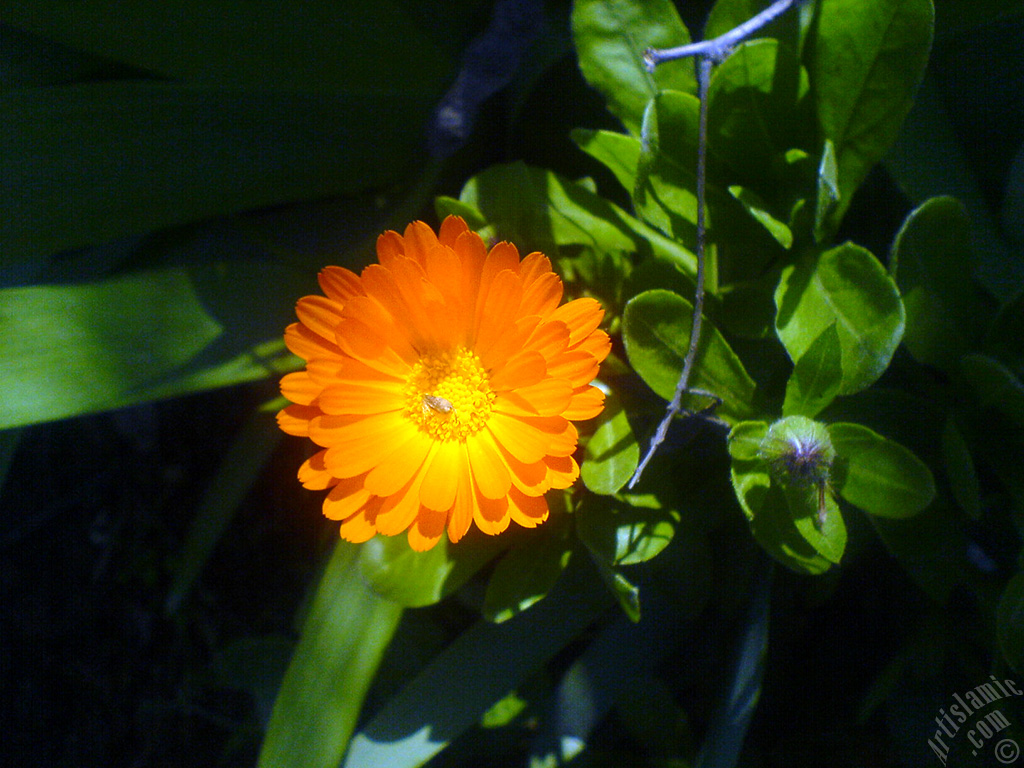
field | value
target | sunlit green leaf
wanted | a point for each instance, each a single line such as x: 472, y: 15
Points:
x: 528, y: 571
x: 611, y: 37
x: 450, y: 694
x: 75, y: 349
x: 413, y: 579
x: 195, y: 153
x: 817, y: 376
x: 845, y: 286
x: 612, y: 452
x: 343, y: 638
x: 758, y: 209
x: 878, y: 475
x: 539, y: 210
x: 656, y: 332
x: 619, y: 152
x: 626, y: 592
x: 828, y: 191
x: 621, y: 534
x: 866, y: 61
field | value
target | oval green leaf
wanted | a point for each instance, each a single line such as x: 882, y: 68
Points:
x: 878, y: 475
x: 612, y: 452
x: 848, y: 287
x: 656, y: 331
x: 611, y: 37
x: 867, y: 58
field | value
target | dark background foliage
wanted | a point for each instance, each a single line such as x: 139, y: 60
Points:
x: 277, y: 146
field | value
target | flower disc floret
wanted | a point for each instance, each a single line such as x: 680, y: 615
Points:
x: 441, y: 386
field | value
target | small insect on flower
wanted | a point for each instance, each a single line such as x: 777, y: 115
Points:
x: 436, y: 404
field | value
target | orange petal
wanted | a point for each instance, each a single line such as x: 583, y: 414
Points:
x: 439, y: 487
x: 522, y: 370
x: 586, y: 403
x: 531, y: 479
x: 598, y: 344
x: 359, y: 527
x: 300, y: 388
x: 548, y: 397
x: 426, y: 529
x: 528, y: 511
x: 575, y: 366
x: 549, y: 339
x: 581, y: 315
x: 497, y: 310
x: 363, y: 398
x: 528, y: 439
x: 562, y: 471
x: 451, y: 228
x: 319, y: 314
x: 345, y: 499
x: 314, y: 475
x: 419, y: 241
x: 389, y: 247
x: 356, y: 444
x: 370, y: 346
x: 491, y: 515
x: 301, y: 341
x: 511, y: 342
x: 490, y: 474
x: 340, y: 284
x: 400, y: 465
x: 400, y: 509
x: 465, y: 500
x: 295, y: 419
x: 541, y: 296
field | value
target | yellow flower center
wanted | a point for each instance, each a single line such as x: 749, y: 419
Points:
x: 448, y: 395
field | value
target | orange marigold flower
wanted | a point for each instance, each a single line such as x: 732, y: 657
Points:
x: 441, y: 384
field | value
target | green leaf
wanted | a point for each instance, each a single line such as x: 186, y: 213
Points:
x: 845, y: 286
x: 195, y: 153
x: 611, y: 37
x: 480, y: 667
x: 343, y: 638
x: 757, y: 111
x: 612, y: 452
x: 929, y: 159
x: 539, y: 210
x: 626, y: 593
x: 76, y: 349
x: 618, y: 152
x: 1003, y: 340
x: 866, y: 61
x: 995, y: 385
x: 618, y: 533
x: 963, y: 480
x: 765, y: 505
x: 758, y: 209
x: 829, y: 540
x: 1010, y: 622
x: 817, y: 376
x: 665, y: 187
x: 656, y: 332
x: 828, y: 192
x: 932, y: 262
x: 878, y: 475
x: 528, y: 571
x: 252, y: 46
x: 414, y: 579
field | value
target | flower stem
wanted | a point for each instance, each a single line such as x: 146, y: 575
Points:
x: 708, y: 53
